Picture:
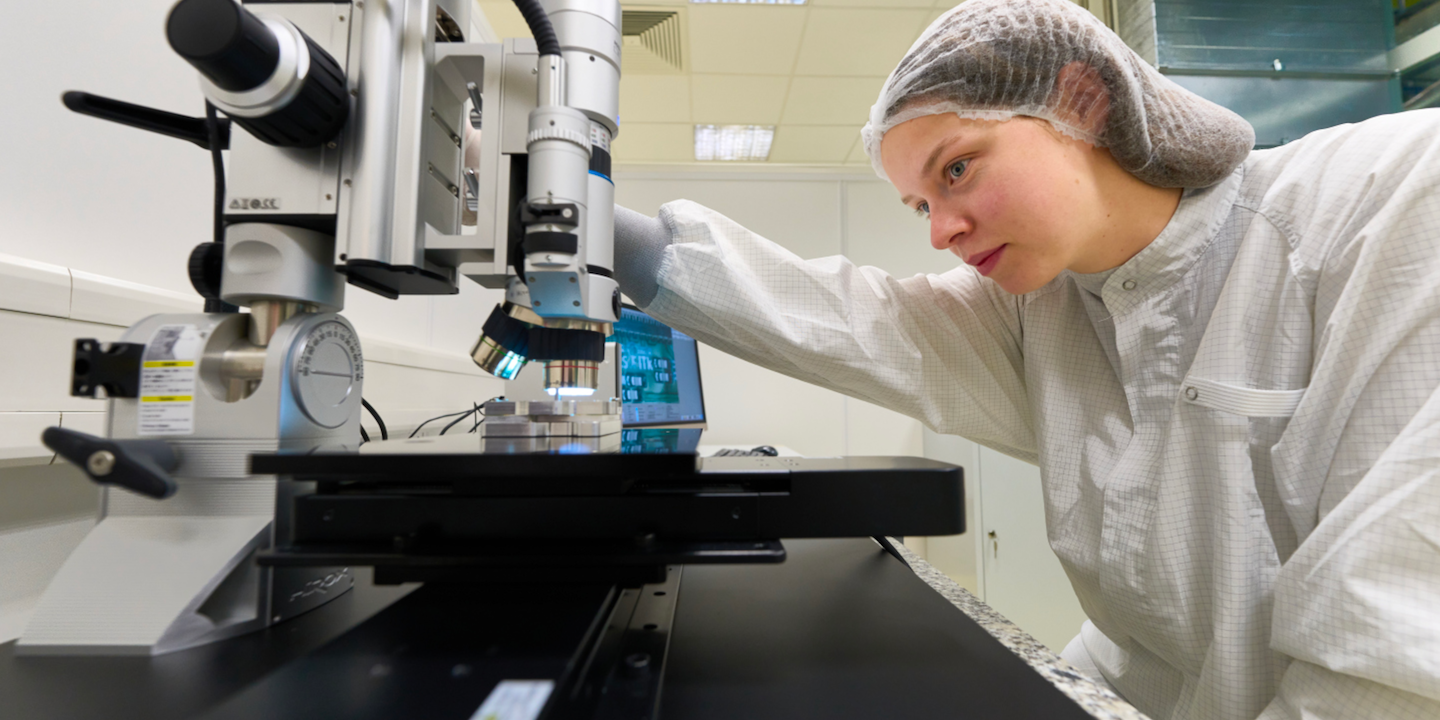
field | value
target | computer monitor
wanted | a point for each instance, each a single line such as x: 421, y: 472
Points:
x: 659, y: 373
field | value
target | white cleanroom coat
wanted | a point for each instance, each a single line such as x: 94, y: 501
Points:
x: 1238, y: 429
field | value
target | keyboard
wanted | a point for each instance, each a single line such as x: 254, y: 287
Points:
x: 737, y: 452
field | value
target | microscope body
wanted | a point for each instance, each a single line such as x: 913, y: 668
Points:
x: 346, y: 166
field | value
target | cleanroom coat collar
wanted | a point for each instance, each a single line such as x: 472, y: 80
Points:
x: 1162, y: 263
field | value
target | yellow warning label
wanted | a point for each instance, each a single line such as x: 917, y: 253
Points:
x: 167, y: 398
x: 169, y: 363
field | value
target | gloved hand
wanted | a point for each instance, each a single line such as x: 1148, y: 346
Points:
x: 640, y: 243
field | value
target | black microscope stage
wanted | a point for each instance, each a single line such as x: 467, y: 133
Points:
x: 621, y: 516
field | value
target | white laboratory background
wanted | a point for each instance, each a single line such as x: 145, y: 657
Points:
x: 95, y: 231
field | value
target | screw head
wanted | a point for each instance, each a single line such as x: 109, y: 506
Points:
x: 576, y: 303
x: 100, y: 463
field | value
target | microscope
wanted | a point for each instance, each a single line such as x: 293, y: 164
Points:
x: 345, y: 126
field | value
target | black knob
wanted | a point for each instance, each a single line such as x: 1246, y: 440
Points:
x: 136, y: 465
x: 207, y: 262
x: 224, y: 41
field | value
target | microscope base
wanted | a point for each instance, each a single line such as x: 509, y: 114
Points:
x: 153, y: 585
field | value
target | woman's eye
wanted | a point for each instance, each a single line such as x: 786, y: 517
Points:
x: 922, y: 210
x: 957, y: 168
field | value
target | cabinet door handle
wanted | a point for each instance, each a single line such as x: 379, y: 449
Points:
x: 996, y: 542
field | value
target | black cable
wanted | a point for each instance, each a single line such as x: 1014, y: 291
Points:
x: 457, y: 421
x: 890, y: 548
x: 384, y: 435
x: 217, y: 164
x: 364, y: 436
x: 540, y: 26
x: 437, y: 417
x: 481, y: 421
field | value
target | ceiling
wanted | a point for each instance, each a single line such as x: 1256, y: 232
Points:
x: 811, y: 70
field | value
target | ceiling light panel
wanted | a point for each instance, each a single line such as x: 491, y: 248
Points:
x: 733, y: 143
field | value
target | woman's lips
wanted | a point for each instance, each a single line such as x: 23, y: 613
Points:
x: 985, y: 262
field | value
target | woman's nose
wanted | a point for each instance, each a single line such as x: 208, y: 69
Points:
x: 947, y: 229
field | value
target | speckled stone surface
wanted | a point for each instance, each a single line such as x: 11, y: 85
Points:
x: 1098, y: 700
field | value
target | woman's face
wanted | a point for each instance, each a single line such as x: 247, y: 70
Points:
x: 1015, y: 199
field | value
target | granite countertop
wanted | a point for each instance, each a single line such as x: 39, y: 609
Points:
x: 1098, y: 700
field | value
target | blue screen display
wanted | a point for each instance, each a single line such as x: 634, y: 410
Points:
x: 659, y: 372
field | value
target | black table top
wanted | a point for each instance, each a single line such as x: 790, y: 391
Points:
x: 839, y: 630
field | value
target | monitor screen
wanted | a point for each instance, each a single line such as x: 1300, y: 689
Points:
x: 649, y: 441
x: 659, y: 373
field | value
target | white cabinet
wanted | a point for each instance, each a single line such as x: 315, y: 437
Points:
x: 1004, y: 557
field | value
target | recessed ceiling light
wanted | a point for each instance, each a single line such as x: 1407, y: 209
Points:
x: 733, y: 142
x: 749, y: 2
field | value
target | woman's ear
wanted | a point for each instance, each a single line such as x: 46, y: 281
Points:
x: 1080, y: 98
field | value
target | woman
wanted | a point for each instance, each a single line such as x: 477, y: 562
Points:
x: 1225, y: 363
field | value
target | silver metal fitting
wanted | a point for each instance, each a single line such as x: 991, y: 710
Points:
x: 493, y: 358
x: 100, y: 463
x: 280, y: 88
x: 568, y: 378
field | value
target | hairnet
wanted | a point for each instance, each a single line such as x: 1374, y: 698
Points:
x: 996, y: 59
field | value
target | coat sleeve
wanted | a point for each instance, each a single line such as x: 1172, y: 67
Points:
x: 1357, y: 606
x: 944, y: 349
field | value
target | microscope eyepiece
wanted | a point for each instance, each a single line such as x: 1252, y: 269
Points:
x: 262, y: 71
x: 225, y: 42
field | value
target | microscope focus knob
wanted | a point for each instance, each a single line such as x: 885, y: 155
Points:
x: 207, y: 262
x: 263, y: 72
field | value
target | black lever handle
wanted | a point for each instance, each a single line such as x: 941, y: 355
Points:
x: 183, y: 127
x: 137, y: 465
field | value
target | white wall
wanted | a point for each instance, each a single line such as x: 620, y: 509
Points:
x: 814, y: 214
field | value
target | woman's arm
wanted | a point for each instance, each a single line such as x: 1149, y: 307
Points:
x: 944, y: 349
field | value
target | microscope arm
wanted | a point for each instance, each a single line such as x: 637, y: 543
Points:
x: 139, y: 466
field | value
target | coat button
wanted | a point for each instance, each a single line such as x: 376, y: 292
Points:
x: 1192, y: 394
x: 1128, y: 284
